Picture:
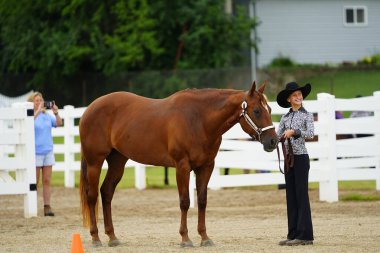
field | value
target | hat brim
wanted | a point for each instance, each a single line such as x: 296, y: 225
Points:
x: 282, y: 97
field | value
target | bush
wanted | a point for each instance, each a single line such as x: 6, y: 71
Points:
x: 376, y: 59
x: 282, y: 61
x: 373, y: 60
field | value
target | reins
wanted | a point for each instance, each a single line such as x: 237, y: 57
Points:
x: 288, y: 158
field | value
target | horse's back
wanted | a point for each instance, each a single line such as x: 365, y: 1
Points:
x: 112, y: 101
x: 106, y: 107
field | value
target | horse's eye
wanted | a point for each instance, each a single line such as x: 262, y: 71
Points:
x: 256, y: 112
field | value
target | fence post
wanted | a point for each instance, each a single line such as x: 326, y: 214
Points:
x: 27, y: 151
x: 192, y: 189
x: 69, y: 145
x: 328, y: 186
x: 30, y: 199
x: 140, y: 176
x: 376, y: 94
x: 215, y: 176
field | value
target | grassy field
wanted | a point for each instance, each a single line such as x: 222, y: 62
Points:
x: 341, y: 83
x: 345, y: 84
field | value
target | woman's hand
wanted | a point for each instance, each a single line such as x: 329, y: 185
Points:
x: 289, y: 133
x: 55, y: 109
x: 58, y: 119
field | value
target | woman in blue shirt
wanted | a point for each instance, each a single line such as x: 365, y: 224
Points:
x: 43, y: 123
x: 296, y: 126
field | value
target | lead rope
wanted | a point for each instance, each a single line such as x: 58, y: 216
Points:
x: 288, y: 158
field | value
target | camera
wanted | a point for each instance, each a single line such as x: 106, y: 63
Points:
x: 49, y: 104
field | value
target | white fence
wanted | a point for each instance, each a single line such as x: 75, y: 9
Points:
x: 331, y: 160
x: 17, y: 155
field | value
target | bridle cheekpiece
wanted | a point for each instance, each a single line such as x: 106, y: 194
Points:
x: 250, y: 122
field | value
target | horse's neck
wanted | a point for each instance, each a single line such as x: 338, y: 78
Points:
x: 225, y: 113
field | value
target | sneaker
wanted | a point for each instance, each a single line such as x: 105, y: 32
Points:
x: 283, y: 242
x: 296, y: 242
x: 48, y: 211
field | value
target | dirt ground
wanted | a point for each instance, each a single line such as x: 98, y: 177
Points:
x: 238, y: 220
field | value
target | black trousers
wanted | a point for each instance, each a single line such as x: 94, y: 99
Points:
x: 297, y: 199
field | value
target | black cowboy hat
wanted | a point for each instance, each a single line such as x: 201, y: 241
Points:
x: 282, y: 97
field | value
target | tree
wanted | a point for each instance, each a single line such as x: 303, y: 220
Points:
x: 58, y: 41
x: 200, y: 34
x: 66, y: 45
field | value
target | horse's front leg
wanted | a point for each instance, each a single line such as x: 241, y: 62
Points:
x: 202, y: 178
x: 183, y: 177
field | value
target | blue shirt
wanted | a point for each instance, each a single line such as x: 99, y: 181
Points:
x: 43, y: 138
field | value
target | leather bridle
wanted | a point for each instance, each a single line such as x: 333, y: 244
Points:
x: 288, y: 158
x: 250, y: 122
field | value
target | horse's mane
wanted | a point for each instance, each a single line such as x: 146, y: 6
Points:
x: 213, y: 97
x: 206, y: 93
x: 210, y: 93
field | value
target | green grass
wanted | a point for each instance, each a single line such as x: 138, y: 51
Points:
x: 360, y: 197
x: 342, y: 83
x: 345, y: 84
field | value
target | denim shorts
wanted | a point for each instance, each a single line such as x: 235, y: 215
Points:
x: 45, y: 160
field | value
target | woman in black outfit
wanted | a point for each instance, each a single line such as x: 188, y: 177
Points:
x: 297, y: 125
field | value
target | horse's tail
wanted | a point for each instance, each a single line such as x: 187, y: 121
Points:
x: 83, y: 187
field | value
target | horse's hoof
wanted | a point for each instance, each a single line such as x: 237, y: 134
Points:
x: 114, y: 243
x: 188, y: 244
x: 96, y: 244
x: 207, y: 243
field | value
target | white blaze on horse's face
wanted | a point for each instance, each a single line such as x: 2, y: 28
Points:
x: 265, y: 105
x: 264, y: 102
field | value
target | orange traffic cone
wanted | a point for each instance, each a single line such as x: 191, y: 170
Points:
x: 76, y: 245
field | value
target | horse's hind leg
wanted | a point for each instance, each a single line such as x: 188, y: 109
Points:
x: 116, y: 163
x: 93, y: 174
x: 183, y: 178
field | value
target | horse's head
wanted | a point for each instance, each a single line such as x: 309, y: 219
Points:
x: 255, y: 118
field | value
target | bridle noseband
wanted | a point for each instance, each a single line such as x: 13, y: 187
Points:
x: 250, y: 122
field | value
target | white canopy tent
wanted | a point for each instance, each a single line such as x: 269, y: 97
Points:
x: 6, y: 101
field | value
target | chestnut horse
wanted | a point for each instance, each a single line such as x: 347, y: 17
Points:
x: 183, y: 131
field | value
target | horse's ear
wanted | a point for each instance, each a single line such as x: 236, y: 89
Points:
x: 262, y: 87
x: 253, y: 89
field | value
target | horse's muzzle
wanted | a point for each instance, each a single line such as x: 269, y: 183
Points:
x: 270, y: 144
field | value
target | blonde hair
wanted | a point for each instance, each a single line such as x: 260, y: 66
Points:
x: 33, y: 96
